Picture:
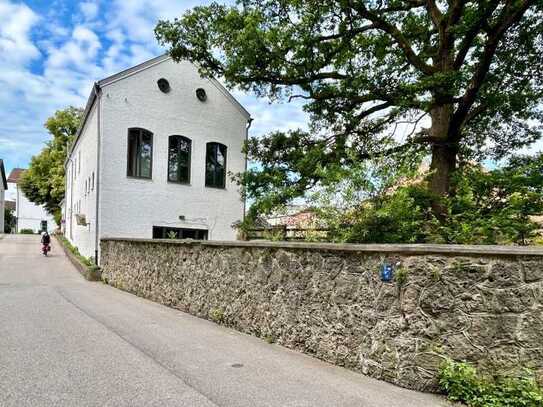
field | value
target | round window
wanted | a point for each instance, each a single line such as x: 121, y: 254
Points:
x: 201, y: 94
x: 163, y: 85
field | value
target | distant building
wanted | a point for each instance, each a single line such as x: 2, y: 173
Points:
x: 28, y: 215
x: 152, y: 158
x: 3, y: 187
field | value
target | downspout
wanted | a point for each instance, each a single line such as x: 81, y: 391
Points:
x: 97, y: 177
x: 249, y: 122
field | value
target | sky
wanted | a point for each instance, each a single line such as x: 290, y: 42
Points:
x: 51, y: 52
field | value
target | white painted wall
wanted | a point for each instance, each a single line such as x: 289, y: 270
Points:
x: 2, y: 199
x: 29, y: 215
x: 80, y: 197
x: 131, y: 207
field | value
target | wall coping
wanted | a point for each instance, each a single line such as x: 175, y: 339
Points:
x: 453, y: 249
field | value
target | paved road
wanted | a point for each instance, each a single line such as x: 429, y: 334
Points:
x: 67, y: 342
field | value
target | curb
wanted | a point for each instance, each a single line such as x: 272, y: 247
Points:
x: 85, y: 271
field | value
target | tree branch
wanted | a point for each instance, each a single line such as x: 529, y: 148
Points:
x: 398, y: 37
x: 508, y: 17
x: 472, y: 33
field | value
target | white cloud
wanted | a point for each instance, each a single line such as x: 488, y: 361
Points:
x: 89, y: 9
x: 79, y: 51
x: 16, y: 21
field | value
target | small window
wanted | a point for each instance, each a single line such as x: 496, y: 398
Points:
x: 140, y: 153
x: 215, y: 165
x: 179, y: 149
x: 163, y: 232
x: 85, y: 187
x: 92, y: 182
x: 79, y: 162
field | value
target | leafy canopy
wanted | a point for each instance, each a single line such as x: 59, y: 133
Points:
x: 373, y: 75
x: 43, y: 181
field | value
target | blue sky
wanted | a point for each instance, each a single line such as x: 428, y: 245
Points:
x: 52, y: 51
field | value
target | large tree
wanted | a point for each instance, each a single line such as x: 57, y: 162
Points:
x: 43, y: 181
x: 459, y: 79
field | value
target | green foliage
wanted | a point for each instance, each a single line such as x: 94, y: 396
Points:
x: 461, y: 382
x: 9, y: 220
x: 216, y: 315
x: 172, y: 234
x: 401, y: 276
x: 369, y: 73
x: 274, y: 234
x: 488, y: 207
x: 88, y: 262
x: 26, y: 232
x: 43, y: 181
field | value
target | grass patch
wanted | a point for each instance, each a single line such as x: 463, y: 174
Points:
x: 461, y: 382
x: 93, y: 271
x: 26, y: 232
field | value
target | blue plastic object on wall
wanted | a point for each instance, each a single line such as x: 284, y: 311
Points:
x: 387, y: 272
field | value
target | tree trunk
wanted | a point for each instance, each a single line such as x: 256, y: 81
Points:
x: 442, y: 166
x: 444, y: 154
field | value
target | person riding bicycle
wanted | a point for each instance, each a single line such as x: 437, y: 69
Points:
x: 45, y: 238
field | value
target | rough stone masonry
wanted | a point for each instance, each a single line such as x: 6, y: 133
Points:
x: 473, y: 303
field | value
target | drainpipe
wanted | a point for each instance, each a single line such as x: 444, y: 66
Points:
x: 97, y: 177
x: 249, y: 122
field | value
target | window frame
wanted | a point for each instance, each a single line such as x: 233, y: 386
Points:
x: 137, y: 168
x: 187, y: 182
x: 219, y: 145
x: 204, y: 233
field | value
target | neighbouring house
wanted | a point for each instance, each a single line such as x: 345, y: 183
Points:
x: 153, y: 156
x: 28, y: 215
x: 3, y: 187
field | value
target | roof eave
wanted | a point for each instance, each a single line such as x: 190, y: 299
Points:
x: 90, y: 102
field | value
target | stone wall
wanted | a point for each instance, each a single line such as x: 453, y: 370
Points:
x: 481, y: 304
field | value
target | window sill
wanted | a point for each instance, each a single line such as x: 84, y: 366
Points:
x: 139, y: 178
x: 218, y: 188
x: 186, y: 184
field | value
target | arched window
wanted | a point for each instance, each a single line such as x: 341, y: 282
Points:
x: 140, y: 153
x: 179, y: 149
x: 215, y: 165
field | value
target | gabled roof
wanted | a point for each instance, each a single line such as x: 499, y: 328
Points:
x: 131, y: 71
x: 3, y: 176
x: 15, y: 175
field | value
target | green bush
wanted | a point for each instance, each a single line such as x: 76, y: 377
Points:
x: 487, y: 207
x: 461, y: 382
x: 26, y: 232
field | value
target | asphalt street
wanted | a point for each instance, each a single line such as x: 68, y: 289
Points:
x: 68, y: 342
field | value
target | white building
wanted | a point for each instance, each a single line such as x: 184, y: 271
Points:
x: 3, y: 187
x: 28, y: 215
x: 152, y: 158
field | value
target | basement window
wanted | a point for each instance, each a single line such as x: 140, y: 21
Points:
x: 166, y: 232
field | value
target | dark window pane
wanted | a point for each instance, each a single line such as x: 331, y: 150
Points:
x: 132, y: 152
x: 140, y: 153
x: 215, y: 165
x: 162, y: 232
x: 179, y: 148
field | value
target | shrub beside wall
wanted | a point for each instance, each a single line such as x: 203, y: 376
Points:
x: 482, y: 305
